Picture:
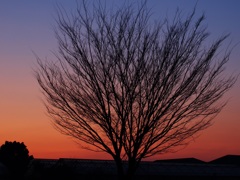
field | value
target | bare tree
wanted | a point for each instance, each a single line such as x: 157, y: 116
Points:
x: 131, y: 87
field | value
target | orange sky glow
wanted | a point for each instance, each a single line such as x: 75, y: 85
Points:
x: 28, y: 26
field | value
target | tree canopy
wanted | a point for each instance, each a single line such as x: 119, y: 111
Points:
x: 130, y: 86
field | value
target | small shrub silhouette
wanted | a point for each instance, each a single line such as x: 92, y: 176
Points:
x: 15, y: 156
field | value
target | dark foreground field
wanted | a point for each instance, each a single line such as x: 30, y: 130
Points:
x: 224, y: 168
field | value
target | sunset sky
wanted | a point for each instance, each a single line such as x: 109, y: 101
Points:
x: 26, y: 27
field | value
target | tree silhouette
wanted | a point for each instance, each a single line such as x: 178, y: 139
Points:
x: 130, y: 87
x: 15, y: 156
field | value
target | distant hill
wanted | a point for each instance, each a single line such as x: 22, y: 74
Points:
x: 181, y: 160
x: 228, y: 159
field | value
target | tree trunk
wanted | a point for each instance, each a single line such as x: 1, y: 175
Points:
x: 129, y: 175
x: 132, y: 167
x: 126, y: 170
x: 125, y: 175
x: 120, y: 169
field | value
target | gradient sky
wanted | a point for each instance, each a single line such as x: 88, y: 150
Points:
x: 26, y: 26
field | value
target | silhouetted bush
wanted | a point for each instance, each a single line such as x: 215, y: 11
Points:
x: 15, y: 156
